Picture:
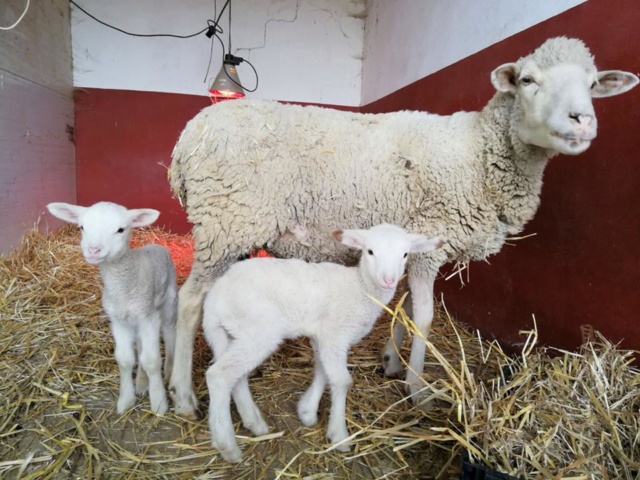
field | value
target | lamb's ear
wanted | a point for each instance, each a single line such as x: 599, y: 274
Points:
x: 351, y: 238
x: 613, y: 82
x: 504, y: 77
x: 422, y: 244
x: 66, y: 211
x: 143, y: 217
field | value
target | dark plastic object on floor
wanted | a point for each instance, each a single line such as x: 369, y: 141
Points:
x: 477, y: 471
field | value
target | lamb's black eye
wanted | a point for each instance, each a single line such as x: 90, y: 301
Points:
x: 81, y: 227
x: 528, y: 80
x: 593, y: 85
x: 120, y: 230
x: 405, y: 255
x: 370, y: 252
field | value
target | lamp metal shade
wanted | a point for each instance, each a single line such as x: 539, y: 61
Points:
x: 223, y: 86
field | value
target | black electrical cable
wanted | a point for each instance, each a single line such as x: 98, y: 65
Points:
x: 140, y: 34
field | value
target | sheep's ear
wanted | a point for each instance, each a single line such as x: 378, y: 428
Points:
x: 505, y: 76
x: 66, y: 211
x: 351, y: 238
x: 613, y: 82
x: 143, y: 217
x: 422, y: 244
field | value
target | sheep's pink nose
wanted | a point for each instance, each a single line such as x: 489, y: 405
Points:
x: 94, y: 250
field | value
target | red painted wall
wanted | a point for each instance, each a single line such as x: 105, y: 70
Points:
x: 124, y: 141
x: 583, y: 265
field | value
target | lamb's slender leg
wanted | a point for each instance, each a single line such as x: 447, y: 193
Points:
x: 248, y: 410
x: 390, y: 357
x: 151, y: 362
x: 421, y: 286
x: 142, y: 381
x: 125, y: 337
x: 334, y: 362
x: 190, y: 300
x: 310, y: 401
x: 229, y: 368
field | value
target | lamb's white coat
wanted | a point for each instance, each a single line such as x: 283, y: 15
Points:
x: 261, y: 302
x: 253, y: 173
x: 139, y: 296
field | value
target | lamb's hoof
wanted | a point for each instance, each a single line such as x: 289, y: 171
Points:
x: 141, y: 387
x: 308, y: 416
x: 124, y: 404
x: 257, y: 426
x: 229, y: 451
x: 335, y: 436
x: 160, y: 407
x: 420, y: 396
x: 391, y: 364
x: 185, y: 403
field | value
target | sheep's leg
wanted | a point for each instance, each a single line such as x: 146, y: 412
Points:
x: 237, y: 361
x: 390, y: 354
x: 248, y: 410
x: 310, y: 401
x: 334, y: 362
x: 151, y: 362
x: 190, y: 300
x: 422, y: 292
x: 125, y: 337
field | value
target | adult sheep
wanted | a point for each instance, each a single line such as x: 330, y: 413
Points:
x: 253, y: 173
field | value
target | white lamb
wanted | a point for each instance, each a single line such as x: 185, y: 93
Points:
x: 254, y: 173
x: 140, y: 294
x: 258, y: 303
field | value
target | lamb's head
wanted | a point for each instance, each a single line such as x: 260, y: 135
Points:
x: 553, y: 88
x: 385, y: 250
x: 106, y: 227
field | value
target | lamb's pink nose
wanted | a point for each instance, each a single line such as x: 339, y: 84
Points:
x: 94, y: 250
x: 389, y: 281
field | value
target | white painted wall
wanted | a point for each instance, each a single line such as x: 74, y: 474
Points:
x: 37, y: 156
x: 406, y: 40
x: 303, y: 50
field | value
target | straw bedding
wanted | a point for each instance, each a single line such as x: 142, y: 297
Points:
x: 572, y: 415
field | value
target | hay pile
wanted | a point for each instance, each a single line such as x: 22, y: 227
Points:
x: 571, y: 416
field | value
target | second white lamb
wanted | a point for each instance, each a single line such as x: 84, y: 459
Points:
x: 139, y: 297
x: 259, y: 303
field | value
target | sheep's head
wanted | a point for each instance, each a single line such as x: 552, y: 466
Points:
x: 553, y: 88
x: 385, y: 250
x: 106, y: 227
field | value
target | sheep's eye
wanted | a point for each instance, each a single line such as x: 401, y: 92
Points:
x: 528, y: 80
x: 370, y: 252
x: 120, y: 230
x: 593, y: 85
x: 405, y: 255
x: 81, y: 227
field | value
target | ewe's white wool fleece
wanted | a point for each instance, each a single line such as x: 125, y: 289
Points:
x: 251, y: 172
